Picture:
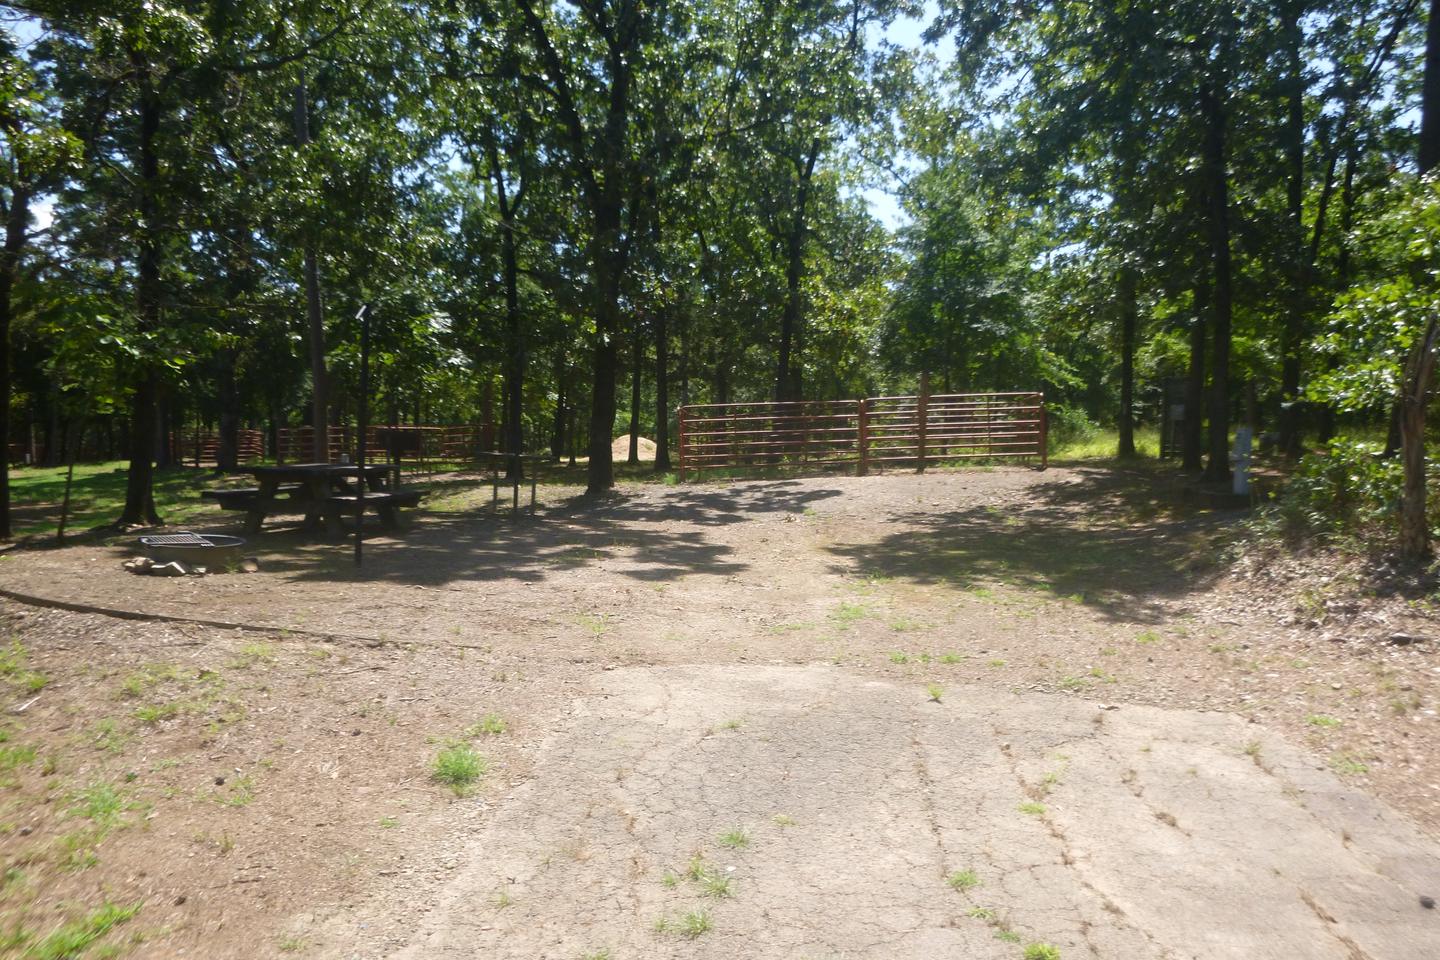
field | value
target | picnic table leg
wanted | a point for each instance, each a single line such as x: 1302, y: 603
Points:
x: 254, y: 518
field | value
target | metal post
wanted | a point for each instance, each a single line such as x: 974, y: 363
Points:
x: 681, y: 469
x: 1044, y: 435
x: 862, y: 440
x: 922, y: 409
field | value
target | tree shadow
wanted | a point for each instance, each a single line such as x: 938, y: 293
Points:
x: 1112, y: 539
x: 647, y: 536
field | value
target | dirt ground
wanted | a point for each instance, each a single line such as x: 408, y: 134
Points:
x: 958, y: 715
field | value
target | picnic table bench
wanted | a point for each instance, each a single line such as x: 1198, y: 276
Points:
x: 324, y: 492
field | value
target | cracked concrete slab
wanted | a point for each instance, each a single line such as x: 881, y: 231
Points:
x: 879, y: 824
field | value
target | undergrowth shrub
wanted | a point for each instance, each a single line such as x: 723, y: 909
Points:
x: 1345, y: 491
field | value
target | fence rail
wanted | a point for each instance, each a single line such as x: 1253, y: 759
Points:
x: 874, y: 432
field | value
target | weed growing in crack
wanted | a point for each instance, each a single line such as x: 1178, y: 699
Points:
x: 735, y: 839
x: 1321, y: 720
x: 1041, y: 951
x: 1032, y: 808
x: 981, y: 913
x: 691, y: 925
x: 935, y: 691
x: 1009, y: 936
x: 963, y: 880
x: 783, y: 820
x: 602, y: 954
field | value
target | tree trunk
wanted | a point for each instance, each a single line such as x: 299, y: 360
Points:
x: 1128, y: 321
x: 557, y: 429
x: 1420, y: 365
x: 1218, y: 228
x: 662, y: 389
x: 139, y: 482
x: 787, y: 373
x: 608, y: 261
x: 637, y: 369
x: 1292, y: 335
x: 1193, y: 442
x: 314, y: 308
x: 15, y: 227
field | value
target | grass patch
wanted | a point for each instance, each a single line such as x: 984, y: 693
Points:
x: 1032, y: 808
x: 1041, y: 951
x: 963, y: 880
x: 1321, y: 720
x: 694, y: 924
x: 458, y: 767
x: 71, y: 940
x: 1147, y: 637
x: 848, y: 614
x: 1347, y: 764
x: 735, y: 839
x: 935, y: 691
x: 490, y: 725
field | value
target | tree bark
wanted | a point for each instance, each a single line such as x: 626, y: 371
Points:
x: 1420, y: 365
x: 15, y: 236
x: 1129, y: 318
x: 787, y: 372
x: 662, y: 388
x: 314, y: 307
x: 140, y: 479
x: 1193, y: 442
x: 1217, y: 218
x: 1292, y: 334
x: 637, y: 369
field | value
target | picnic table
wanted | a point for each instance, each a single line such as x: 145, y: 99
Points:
x: 323, y: 492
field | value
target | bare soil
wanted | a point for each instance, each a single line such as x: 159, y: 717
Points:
x: 870, y: 660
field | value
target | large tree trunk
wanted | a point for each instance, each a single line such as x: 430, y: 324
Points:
x: 1420, y: 365
x: 1292, y: 335
x: 787, y: 371
x: 1217, y: 196
x: 1193, y: 442
x: 15, y: 227
x: 314, y: 308
x: 662, y: 388
x: 608, y: 260
x: 1128, y: 321
x: 139, y: 481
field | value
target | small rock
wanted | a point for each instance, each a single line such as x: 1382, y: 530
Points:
x: 180, y: 900
x: 25, y: 831
x: 1403, y: 639
x: 219, y: 781
x: 250, y: 565
x: 199, y: 571
x: 1428, y: 903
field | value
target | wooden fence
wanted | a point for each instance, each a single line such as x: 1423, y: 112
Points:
x: 203, y: 446
x: 403, y: 444
x: 867, y: 434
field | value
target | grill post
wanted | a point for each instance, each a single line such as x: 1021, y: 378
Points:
x: 922, y: 411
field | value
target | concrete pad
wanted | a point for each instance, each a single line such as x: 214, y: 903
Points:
x: 1127, y: 833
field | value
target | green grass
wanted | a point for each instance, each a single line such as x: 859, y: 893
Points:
x: 490, y: 725
x: 1321, y: 720
x: 458, y: 767
x: 963, y: 880
x: 101, y: 804
x: 735, y: 839
x: 98, y: 495
x: 1041, y: 951
x: 71, y: 940
x: 691, y: 925
x: 935, y: 691
x: 1102, y: 444
x: 1032, y: 808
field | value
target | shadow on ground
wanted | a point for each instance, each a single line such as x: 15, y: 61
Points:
x: 658, y: 538
x: 1111, y: 539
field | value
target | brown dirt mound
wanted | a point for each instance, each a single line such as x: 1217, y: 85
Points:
x: 620, y: 449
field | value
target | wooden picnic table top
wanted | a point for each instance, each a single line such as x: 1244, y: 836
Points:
x: 305, y: 471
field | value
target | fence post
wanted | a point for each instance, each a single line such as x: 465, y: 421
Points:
x: 681, y: 472
x: 922, y: 409
x: 862, y: 440
x: 1044, y: 435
